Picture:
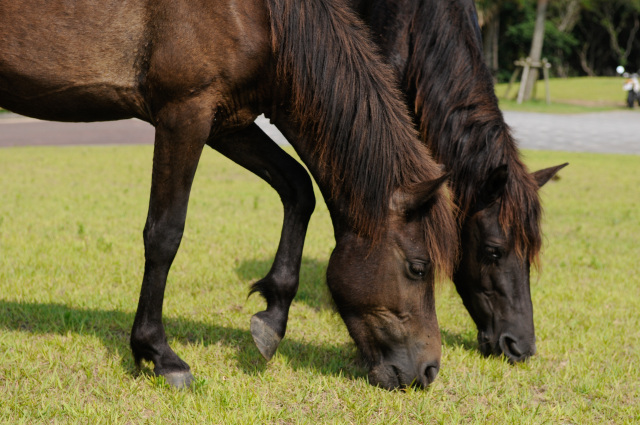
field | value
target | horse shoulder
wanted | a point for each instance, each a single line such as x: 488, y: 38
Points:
x: 220, y: 50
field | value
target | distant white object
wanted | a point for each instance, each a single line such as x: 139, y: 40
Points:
x: 620, y: 69
x: 632, y: 83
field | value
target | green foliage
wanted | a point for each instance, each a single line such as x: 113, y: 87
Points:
x: 596, y: 6
x: 555, y: 40
x: 582, y: 37
x: 67, y: 303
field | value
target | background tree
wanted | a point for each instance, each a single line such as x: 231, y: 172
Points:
x: 489, y: 17
x: 581, y: 37
x: 536, y: 47
x: 609, y: 29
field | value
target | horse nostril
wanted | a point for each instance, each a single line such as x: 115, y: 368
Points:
x: 515, y: 350
x: 430, y: 372
x: 428, y: 375
x: 512, y: 345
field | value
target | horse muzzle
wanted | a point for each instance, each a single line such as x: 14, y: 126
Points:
x: 513, y: 348
x: 393, y: 376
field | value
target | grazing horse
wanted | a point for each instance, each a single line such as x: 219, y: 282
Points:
x: 435, y: 48
x: 200, y: 73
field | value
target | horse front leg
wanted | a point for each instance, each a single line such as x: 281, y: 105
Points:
x: 181, y: 134
x: 255, y: 151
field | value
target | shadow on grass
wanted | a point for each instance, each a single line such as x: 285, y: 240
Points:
x: 314, y: 293
x: 464, y: 340
x: 113, y: 328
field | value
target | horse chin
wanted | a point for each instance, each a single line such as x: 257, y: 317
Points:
x: 391, y: 377
x: 486, y: 346
x: 385, y: 376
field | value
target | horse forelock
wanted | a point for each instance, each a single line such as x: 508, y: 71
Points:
x: 520, y: 208
x: 440, y: 229
x: 346, y: 100
x: 460, y: 119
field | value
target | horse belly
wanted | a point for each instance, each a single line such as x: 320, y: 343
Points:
x: 71, y: 61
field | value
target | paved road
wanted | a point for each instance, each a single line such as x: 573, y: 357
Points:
x: 16, y: 130
x: 20, y: 131
x: 613, y: 132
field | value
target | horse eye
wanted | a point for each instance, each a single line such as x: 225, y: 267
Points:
x: 493, y: 253
x: 417, y: 269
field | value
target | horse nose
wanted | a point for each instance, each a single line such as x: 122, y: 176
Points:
x: 516, y: 350
x: 428, y: 373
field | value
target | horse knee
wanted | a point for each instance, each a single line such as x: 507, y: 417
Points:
x: 301, y: 194
x: 161, y: 242
x: 307, y: 201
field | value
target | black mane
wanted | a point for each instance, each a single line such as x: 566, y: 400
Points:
x: 347, y: 102
x: 452, y: 95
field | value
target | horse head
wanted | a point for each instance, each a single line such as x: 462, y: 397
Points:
x: 492, y: 276
x: 384, y: 290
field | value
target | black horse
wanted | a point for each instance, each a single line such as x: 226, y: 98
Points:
x: 201, y: 72
x: 435, y: 48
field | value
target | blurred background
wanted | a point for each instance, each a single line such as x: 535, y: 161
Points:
x: 581, y: 37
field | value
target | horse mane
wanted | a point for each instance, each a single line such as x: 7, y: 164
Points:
x: 453, y: 96
x: 345, y: 99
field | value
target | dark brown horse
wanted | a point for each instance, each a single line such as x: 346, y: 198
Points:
x: 201, y: 72
x: 436, y: 49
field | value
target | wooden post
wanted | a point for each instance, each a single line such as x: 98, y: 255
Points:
x: 536, y: 48
x: 545, y: 71
x: 513, y: 79
x: 527, y: 65
x: 523, y: 81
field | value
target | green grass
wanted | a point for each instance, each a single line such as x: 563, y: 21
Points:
x: 71, y: 260
x: 569, y: 95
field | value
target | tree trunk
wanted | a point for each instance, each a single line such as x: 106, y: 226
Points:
x: 489, y: 19
x: 536, y: 47
x: 490, y: 43
x: 584, y: 61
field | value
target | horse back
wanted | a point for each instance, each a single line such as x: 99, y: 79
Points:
x: 86, y: 60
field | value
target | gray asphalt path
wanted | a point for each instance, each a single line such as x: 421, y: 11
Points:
x: 16, y: 130
x: 21, y: 131
x: 604, y: 132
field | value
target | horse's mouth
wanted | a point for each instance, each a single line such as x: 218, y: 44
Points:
x: 388, y: 377
x: 485, y: 346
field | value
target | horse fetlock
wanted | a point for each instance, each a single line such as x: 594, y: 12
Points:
x: 150, y: 344
x: 277, y: 288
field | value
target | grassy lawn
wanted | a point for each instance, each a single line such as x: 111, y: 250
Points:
x: 569, y: 95
x: 71, y: 261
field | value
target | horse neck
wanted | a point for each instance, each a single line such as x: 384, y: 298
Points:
x: 447, y: 85
x: 356, y: 132
x: 451, y: 93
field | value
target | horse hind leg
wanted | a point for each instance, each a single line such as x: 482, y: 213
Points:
x: 180, y: 137
x: 254, y: 150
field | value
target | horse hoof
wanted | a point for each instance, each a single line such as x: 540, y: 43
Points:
x: 265, y: 338
x: 179, y: 380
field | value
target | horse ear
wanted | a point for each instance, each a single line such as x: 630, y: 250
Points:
x: 543, y: 176
x: 494, y: 185
x: 417, y: 197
